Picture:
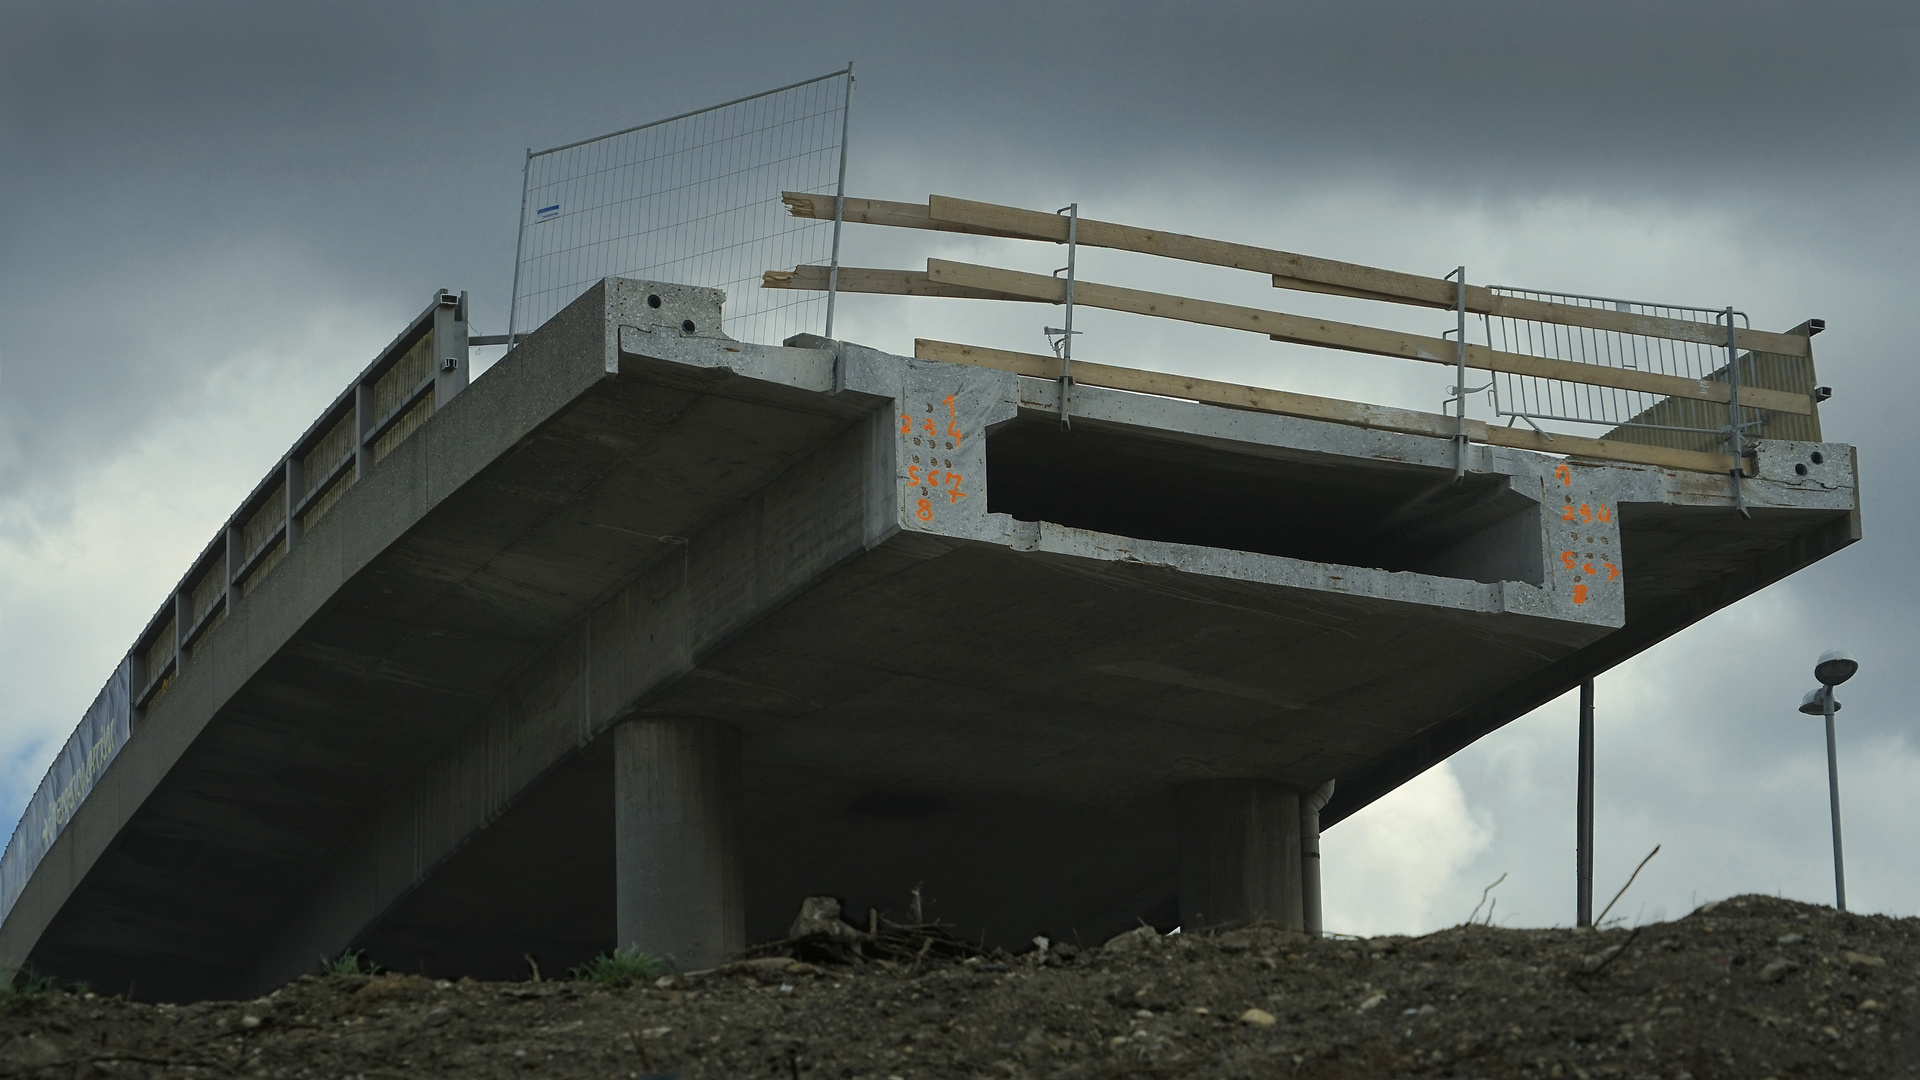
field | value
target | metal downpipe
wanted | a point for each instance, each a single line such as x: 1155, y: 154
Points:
x: 1310, y: 805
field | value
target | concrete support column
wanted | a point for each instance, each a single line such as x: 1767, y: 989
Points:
x: 1239, y: 853
x: 676, y: 805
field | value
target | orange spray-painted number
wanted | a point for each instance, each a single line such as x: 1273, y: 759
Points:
x: 954, y: 494
x: 1565, y: 474
x: 906, y: 424
x: 925, y: 511
x: 951, y: 411
x: 1613, y: 572
x: 1580, y: 593
x: 1566, y: 557
x: 953, y: 430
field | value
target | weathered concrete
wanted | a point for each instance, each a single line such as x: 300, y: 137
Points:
x: 959, y: 647
x: 676, y: 830
x: 1240, y: 854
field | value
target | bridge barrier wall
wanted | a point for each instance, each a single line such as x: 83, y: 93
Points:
x: 416, y: 374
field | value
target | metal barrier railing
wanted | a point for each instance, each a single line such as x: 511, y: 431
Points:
x: 420, y: 371
x: 417, y: 373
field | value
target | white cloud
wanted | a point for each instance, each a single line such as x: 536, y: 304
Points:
x: 1396, y: 866
x: 80, y: 578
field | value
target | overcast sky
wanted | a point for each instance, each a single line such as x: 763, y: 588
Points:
x: 212, y: 215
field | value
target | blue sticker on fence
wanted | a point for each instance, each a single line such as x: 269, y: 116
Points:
x: 547, y: 213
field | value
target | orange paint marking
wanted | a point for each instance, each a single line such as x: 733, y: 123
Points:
x: 906, y: 424
x: 1565, y: 474
x: 1580, y: 593
x: 1613, y: 572
x: 1567, y: 558
x: 954, y: 494
x: 925, y: 512
x: 949, y: 404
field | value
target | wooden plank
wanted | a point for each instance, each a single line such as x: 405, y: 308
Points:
x: 860, y: 279
x: 1367, y: 339
x: 1232, y: 395
x: 1287, y: 269
x: 1335, y: 410
x: 900, y: 215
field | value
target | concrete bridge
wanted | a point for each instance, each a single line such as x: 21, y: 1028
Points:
x: 648, y: 633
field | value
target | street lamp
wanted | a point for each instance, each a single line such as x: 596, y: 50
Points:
x: 1833, y: 668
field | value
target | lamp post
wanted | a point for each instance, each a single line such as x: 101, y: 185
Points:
x: 1833, y: 668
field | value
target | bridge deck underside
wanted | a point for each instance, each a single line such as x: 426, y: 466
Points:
x: 1003, y: 725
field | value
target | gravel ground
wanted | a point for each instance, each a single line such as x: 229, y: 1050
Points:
x: 1750, y: 987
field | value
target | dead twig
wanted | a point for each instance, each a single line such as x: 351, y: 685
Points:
x: 1483, y: 899
x: 1628, y: 885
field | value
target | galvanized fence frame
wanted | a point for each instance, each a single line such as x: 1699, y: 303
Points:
x: 693, y: 199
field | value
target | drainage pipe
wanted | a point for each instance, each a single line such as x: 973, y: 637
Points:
x: 1310, y: 805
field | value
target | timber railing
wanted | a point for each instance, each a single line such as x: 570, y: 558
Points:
x: 1676, y: 387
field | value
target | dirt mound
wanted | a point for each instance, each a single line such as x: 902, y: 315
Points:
x: 1751, y: 987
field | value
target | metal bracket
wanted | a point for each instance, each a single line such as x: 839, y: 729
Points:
x: 1460, y: 374
x: 1735, y: 437
x: 1061, y: 337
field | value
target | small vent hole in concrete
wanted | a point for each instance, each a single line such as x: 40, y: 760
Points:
x: 1819, y: 458
x: 1800, y: 467
x: 687, y: 326
x: 653, y: 300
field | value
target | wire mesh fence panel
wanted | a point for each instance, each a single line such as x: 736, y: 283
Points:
x: 1559, y: 403
x: 693, y: 199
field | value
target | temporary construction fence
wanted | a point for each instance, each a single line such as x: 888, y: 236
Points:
x: 692, y: 199
x: 1684, y: 388
x: 413, y: 377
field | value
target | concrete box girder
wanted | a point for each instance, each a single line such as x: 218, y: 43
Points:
x: 397, y: 739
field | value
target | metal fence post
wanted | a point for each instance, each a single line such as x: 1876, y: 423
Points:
x: 1061, y: 337
x: 1460, y: 376
x: 1736, y: 443
x: 519, y: 245
x: 839, y: 204
x: 1583, y: 813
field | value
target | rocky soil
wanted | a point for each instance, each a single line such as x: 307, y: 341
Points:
x: 1750, y: 987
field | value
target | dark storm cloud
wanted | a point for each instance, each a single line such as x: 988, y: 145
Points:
x: 179, y: 179
x: 381, y: 141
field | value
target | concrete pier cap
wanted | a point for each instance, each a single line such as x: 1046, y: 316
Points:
x: 650, y: 633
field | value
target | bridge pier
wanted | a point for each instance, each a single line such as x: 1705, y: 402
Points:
x: 1240, y: 857
x: 676, y: 796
